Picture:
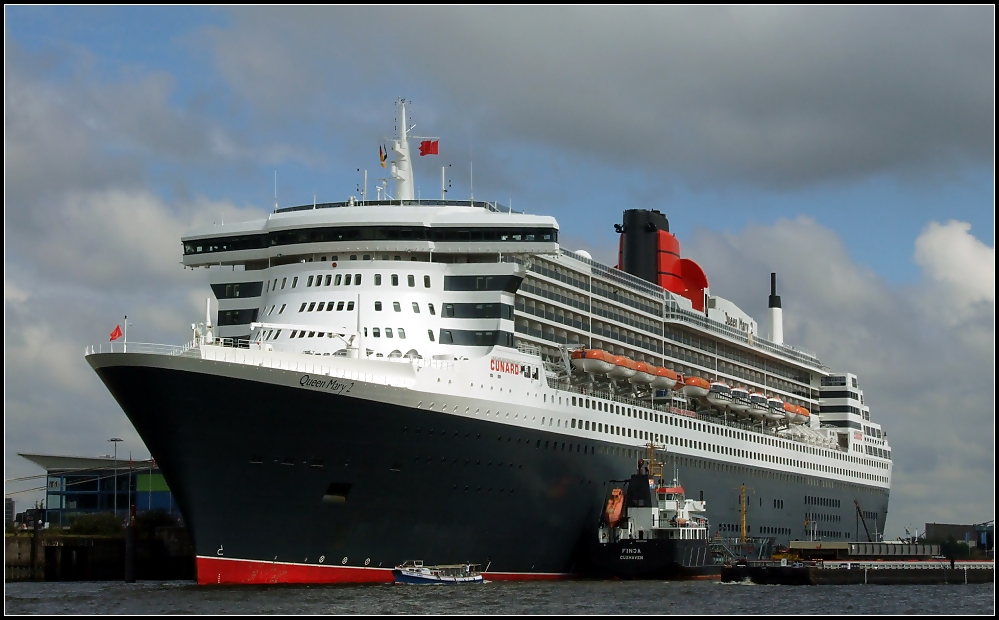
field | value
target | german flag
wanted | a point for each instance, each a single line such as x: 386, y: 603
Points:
x: 382, y: 155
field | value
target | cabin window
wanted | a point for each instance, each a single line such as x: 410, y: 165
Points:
x: 357, y: 280
x: 311, y: 334
x: 346, y: 280
x: 395, y: 279
x: 396, y: 306
x: 302, y: 309
x: 426, y: 281
x: 319, y: 308
x: 402, y: 333
x: 350, y: 306
x: 430, y: 334
x: 378, y: 306
x: 328, y: 278
x: 277, y: 334
x: 312, y: 306
x: 310, y: 281
x: 271, y: 310
x: 339, y: 306
x: 411, y: 280
x: 378, y: 279
x: 282, y: 308
x: 376, y: 332
x: 294, y: 333
x: 329, y: 306
x: 416, y: 308
x: 268, y: 288
x: 367, y: 257
x: 431, y: 308
x: 283, y: 282
x: 339, y: 278
x: 301, y: 334
x: 574, y: 423
x: 388, y: 332
x: 294, y: 282
x: 353, y: 257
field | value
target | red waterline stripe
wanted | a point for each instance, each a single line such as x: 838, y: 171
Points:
x: 231, y: 571
x: 235, y: 571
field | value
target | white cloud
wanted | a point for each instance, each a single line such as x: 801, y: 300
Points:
x: 962, y: 268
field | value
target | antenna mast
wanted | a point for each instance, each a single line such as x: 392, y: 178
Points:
x: 402, y: 168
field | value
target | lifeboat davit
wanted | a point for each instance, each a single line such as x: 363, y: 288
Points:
x: 740, y: 400
x: 593, y: 361
x: 801, y: 415
x: 665, y: 378
x: 719, y: 395
x: 775, y: 409
x: 643, y: 374
x: 624, y: 368
x: 696, y: 386
x: 758, y: 405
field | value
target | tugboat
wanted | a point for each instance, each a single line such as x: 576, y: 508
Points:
x: 649, y: 530
x: 446, y: 574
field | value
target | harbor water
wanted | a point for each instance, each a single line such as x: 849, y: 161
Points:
x: 564, y: 597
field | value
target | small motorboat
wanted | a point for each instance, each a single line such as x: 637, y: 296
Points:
x: 445, y: 574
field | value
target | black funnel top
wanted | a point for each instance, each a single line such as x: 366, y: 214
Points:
x: 640, y: 242
x: 774, y: 297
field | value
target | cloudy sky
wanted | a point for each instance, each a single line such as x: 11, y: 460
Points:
x: 851, y: 150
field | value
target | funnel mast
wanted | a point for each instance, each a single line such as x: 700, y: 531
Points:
x: 776, y: 314
x: 402, y: 165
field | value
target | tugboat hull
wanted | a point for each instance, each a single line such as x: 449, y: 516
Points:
x: 655, y: 559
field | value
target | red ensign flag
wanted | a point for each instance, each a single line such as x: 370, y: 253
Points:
x: 116, y: 334
x: 429, y: 147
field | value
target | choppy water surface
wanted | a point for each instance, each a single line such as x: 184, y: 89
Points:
x: 568, y: 597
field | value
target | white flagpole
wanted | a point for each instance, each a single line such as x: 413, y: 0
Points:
x: 124, y: 336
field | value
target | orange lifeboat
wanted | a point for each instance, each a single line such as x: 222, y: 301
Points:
x: 790, y: 412
x: 643, y: 373
x: 802, y: 415
x: 615, y: 505
x: 664, y: 379
x: 696, y: 386
x: 624, y: 368
x: 593, y: 361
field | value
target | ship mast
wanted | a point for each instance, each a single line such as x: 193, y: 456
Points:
x: 402, y: 167
x: 742, y: 513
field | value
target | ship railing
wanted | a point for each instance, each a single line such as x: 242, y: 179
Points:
x: 148, y: 348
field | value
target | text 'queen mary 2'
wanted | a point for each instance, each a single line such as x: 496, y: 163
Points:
x: 407, y: 379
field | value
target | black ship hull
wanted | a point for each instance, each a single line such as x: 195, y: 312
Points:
x: 654, y: 558
x: 280, y: 484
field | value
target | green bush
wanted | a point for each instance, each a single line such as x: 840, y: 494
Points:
x: 95, y: 523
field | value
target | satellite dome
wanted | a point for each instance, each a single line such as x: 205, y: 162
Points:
x: 584, y: 254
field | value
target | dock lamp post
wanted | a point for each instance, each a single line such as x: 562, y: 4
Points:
x: 115, y: 441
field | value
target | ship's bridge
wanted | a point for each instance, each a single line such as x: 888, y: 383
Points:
x: 410, y: 226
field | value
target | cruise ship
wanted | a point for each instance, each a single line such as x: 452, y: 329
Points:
x: 399, y: 378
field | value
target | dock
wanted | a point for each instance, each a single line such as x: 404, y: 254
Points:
x: 842, y: 563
